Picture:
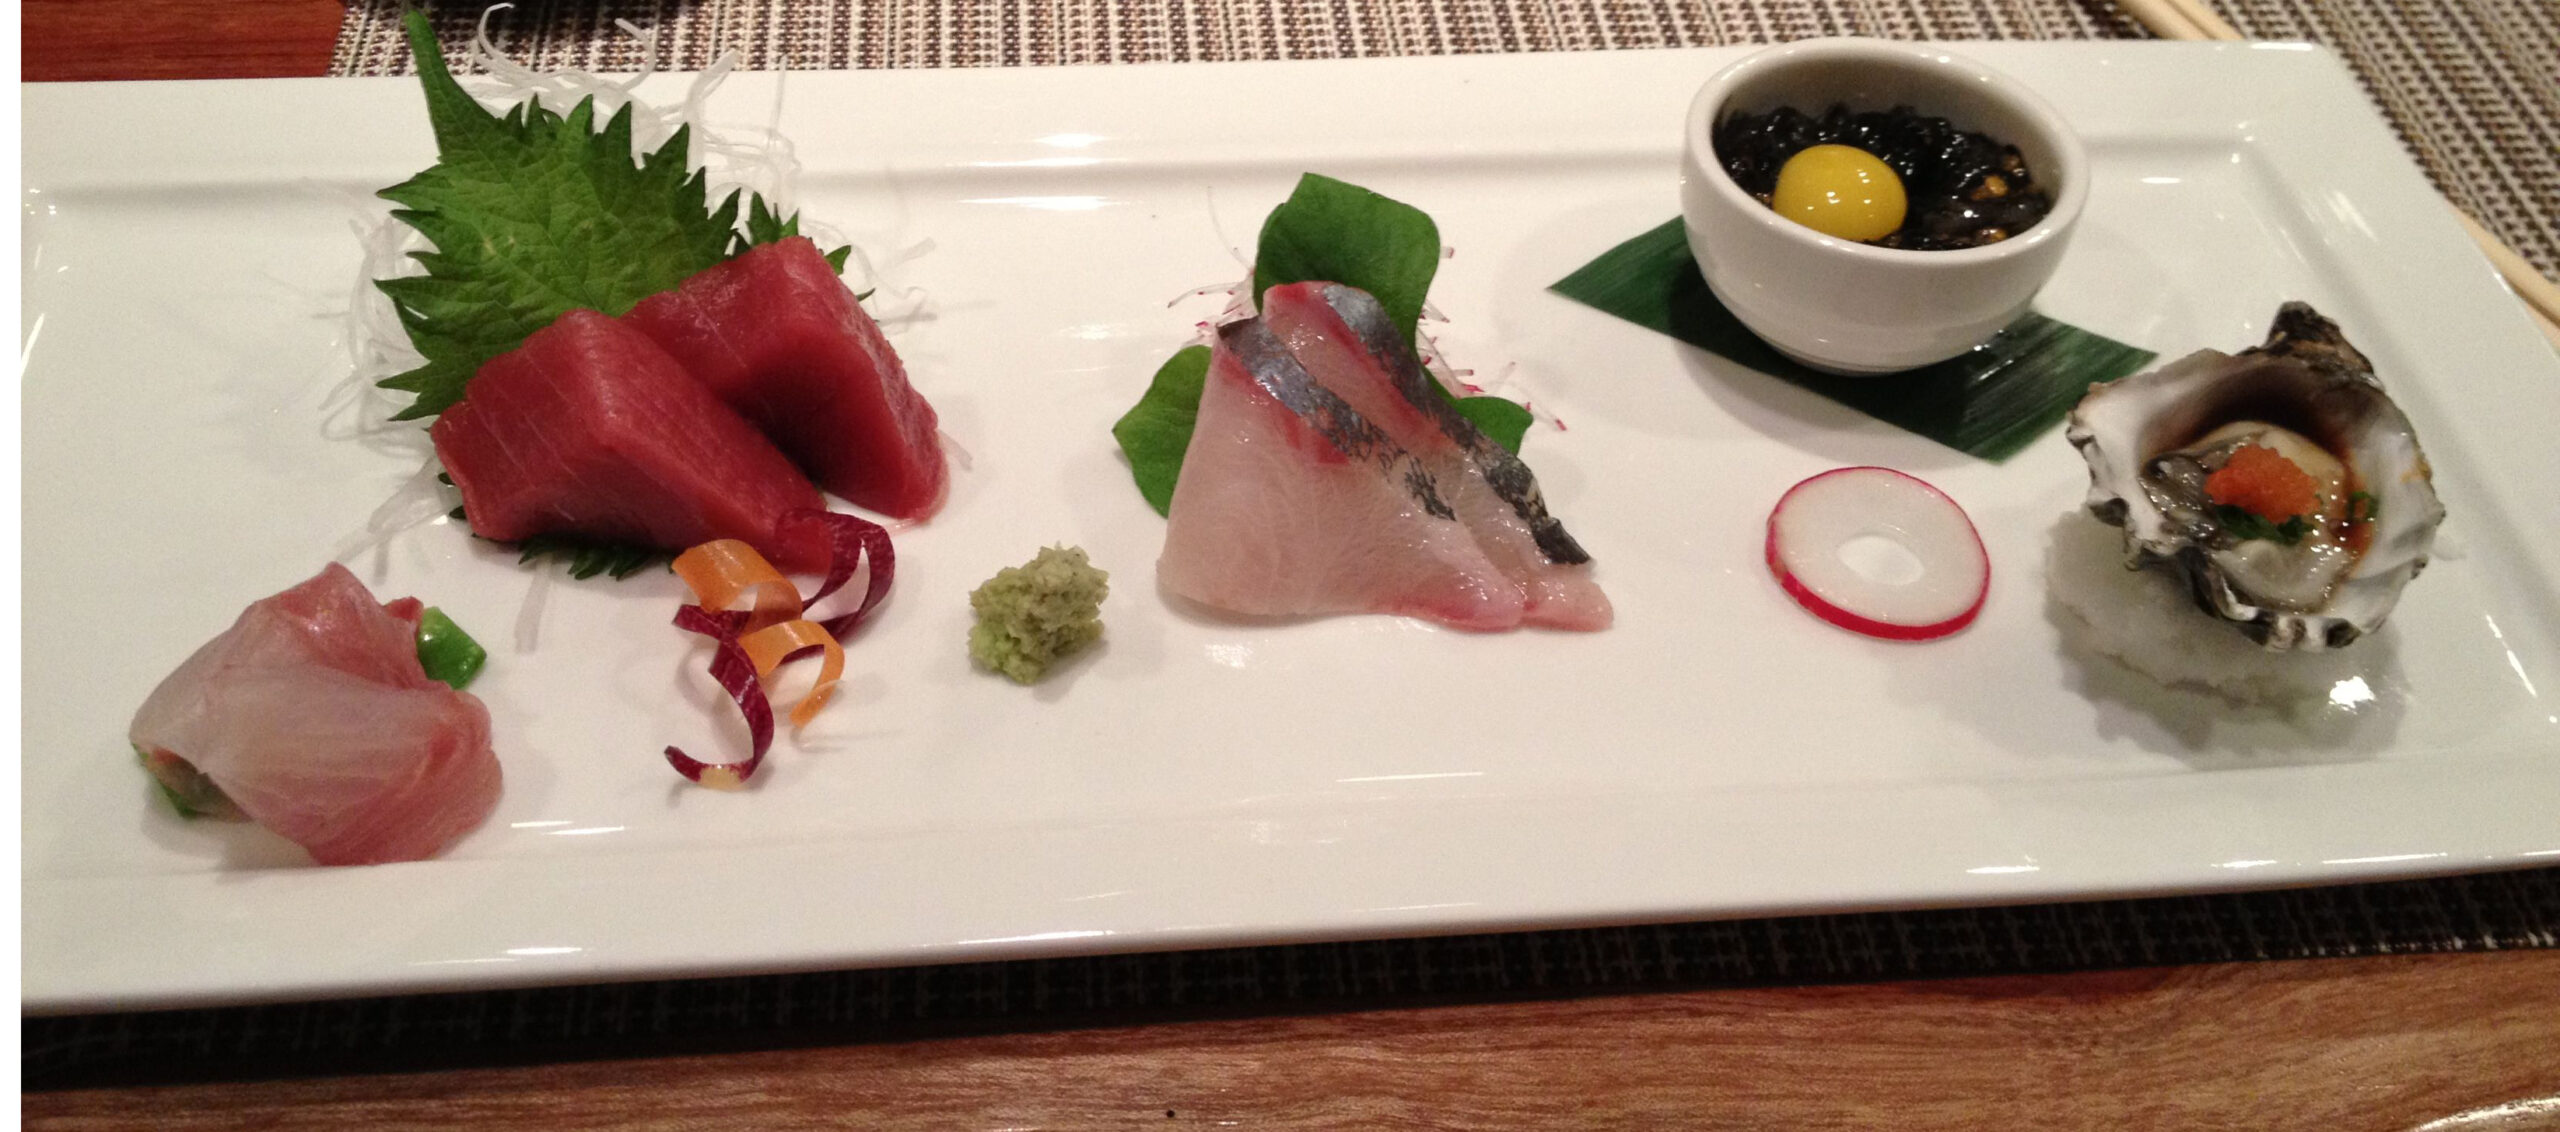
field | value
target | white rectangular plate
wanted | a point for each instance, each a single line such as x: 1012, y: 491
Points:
x: 1717, y: 753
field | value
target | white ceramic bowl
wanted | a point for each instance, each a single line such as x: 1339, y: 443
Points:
x: 1843, y: 306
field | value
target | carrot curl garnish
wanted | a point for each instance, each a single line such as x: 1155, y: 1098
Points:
x: 772, y: 645
x: 752, y: 643
x: 722, y: 569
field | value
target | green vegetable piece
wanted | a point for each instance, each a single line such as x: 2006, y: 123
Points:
x: 1327, y: 231
x: 1033, y: 615
x: 186, y: 789
x: 445, y: 651
x: 1156, y: 431
x: 2245, y: 525
x: 533, y: 214
x: 1991, y: 402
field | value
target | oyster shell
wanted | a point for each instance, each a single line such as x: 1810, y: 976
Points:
x: 2151, y: 439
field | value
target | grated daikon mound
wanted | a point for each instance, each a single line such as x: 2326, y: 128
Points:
x: 2148, y: 621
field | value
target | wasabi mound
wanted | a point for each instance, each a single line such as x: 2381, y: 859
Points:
x: 1033, y: 615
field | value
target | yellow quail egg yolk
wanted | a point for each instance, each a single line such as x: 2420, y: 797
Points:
x: 1842, y: 191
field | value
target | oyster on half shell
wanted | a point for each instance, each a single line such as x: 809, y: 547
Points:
x: 2153, y: 439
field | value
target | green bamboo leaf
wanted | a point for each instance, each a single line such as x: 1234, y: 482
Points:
x: 1991, y: 402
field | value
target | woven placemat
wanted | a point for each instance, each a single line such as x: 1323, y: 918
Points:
x: 2489, y: 911
x: 2472, y: 86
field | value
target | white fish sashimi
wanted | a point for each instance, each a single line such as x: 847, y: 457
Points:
x: 1346, y: 342
x: 312, y: 715
x: 1290, y: 503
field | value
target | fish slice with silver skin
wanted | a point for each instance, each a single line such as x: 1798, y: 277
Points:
x: 1344, y: 339
x: 1291, y: 503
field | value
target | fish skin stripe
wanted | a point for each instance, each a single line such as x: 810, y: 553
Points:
x: 1279, y: 374
x: 1510, y: 477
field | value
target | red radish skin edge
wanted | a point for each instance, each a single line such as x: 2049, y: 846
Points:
x: 1885, y: 630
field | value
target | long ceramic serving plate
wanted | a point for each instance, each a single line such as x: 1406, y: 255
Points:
x: 189, y: 447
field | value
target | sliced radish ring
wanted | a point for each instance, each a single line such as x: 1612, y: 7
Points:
x: 1875, y: 551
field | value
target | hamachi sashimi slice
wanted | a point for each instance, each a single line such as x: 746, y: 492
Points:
x: 314, y: 718
x: 774, y: 333
x: 1289, y: 503
x: 1345, y: 340
x: 590, y: 429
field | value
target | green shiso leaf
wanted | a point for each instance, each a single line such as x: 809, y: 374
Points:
x: 1507, y: 423
x: 1330, y: 231
x: 533, y: 214
x: 1156, y: 430
x: 1991, y: 402
x: 446, y: 652
x: 1327, y: 231
x: 585, y: 558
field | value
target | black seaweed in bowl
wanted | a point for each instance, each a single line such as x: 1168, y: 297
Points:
x: 1965, y: 189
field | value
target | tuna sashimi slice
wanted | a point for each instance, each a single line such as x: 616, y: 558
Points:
x: 774, y: 333
x: 312, y: 715
x: 1289, y: 503
x: 1346, y: 342
x: 590, y: 429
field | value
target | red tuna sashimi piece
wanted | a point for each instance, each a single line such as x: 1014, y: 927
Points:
x: 590, y: 429
x: 1289, y: 503
x: 1347, y: 343
x: 775, y: 334
x: 313, y: 717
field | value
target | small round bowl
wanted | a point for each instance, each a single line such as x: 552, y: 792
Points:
x: 1842, y: 306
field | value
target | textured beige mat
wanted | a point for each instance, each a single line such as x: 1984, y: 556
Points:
x: 2472, y: 85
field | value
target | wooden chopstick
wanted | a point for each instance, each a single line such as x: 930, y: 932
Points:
x: 2165, y: 19
x: 2540, y: 295
x: 2193, y: 20
x: 2205, y: 19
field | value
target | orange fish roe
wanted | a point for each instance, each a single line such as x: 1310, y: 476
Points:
x: 2259, y: 480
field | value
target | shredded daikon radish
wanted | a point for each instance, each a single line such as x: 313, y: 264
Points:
x: 951, y: 447
x: 421, y: 498
x: 537, y: 598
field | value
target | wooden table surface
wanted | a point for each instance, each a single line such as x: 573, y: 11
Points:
x: 2447, y: 1043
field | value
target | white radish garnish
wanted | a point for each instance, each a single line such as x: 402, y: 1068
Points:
x: 1875, y: 551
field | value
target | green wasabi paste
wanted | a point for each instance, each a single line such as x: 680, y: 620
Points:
x: 1033, y: 615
